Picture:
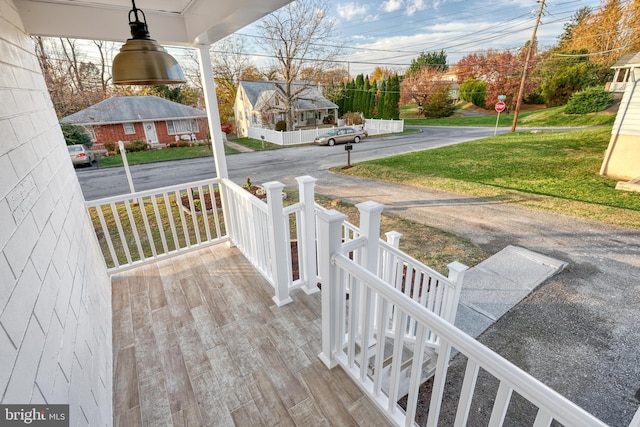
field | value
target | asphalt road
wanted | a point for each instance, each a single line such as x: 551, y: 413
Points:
x: 272, y: 165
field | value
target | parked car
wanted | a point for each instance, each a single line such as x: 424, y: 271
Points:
x: 340, y: 135
x: 81, y: 155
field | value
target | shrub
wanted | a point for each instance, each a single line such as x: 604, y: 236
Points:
x: 590, y: 100
x: 75, y: 135
x: 439, y: 104
x: 183, y: 143
x: 558, y: 89
x: 111, y: 147
x: 281, y: 125
x: 474, y: 91
x: 136, y: 145
x: 353, y: 118
x: 534, y: 98
x: 227, y: 127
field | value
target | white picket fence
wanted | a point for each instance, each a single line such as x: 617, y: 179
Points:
x: 306, y: 136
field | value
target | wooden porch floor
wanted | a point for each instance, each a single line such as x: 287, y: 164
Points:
x: 197, y: 341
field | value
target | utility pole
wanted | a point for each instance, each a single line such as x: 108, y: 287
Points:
x: 526, y: 66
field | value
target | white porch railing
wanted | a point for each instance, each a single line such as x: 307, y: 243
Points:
x: 357, y: 343
x: 262, y: 233
x: 146, y: 226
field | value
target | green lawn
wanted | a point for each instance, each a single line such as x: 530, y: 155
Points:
x: 256, y: 144
x: 548, y: 117
x: 151, y: 156
x: 558, y: 171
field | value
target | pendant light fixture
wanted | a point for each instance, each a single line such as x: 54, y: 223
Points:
x: 142, y: 61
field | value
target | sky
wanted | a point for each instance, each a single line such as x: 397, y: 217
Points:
x: 390, y: 33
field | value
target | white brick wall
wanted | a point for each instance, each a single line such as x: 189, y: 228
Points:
x: 55, y: 300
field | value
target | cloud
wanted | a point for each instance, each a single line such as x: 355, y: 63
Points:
x: 414, y: 6
x: 391, y: 5
x: 350, y: 11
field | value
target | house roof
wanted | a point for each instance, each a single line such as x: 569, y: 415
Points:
x: 627, y: 61
x: 260, y: 92
x: 127, y: 109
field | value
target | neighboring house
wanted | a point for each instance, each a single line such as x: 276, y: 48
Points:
x: 622, y: 158
x: 451, y: 76
x: 148, y: 118
x: 624, y: 70
x: 261, y: 104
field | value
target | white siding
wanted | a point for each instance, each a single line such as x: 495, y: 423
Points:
x: 55, y: 297
x: 628, y: 117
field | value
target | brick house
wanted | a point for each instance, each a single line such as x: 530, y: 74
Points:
x: 155, y: 120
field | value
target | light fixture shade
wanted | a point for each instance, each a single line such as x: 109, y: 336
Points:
x: 145, y: 62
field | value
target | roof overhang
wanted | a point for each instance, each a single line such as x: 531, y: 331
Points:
x: 171, y: 22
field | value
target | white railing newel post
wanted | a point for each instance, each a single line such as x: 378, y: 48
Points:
x: 393, y: 238
x: 456, y: 276
x: 370, y: 228
x: 329, y: 242
x: 309, y: 274
x: 278, y: 242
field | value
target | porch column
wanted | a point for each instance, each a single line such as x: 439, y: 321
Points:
x: 213, y: 114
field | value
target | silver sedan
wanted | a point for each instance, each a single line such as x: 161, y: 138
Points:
x: 340, y: 135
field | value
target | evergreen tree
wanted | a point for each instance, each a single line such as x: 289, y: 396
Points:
x: 382, y: 100
x: 433, y: 60
x: 439, y: 104
x: 359, y: 96
x: 368, y: 104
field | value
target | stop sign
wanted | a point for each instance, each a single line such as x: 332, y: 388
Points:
x: 500, y: 106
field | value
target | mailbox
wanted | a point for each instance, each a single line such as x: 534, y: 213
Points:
x: 348, y: 147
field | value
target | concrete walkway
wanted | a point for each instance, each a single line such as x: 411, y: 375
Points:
x: 241, y: 148
x: 578, y: 331
x: 499, y: 283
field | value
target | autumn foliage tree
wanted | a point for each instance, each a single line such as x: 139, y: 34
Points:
x: 501, y: 71
x: 420, y: 86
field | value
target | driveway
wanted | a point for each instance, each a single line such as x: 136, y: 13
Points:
x: 579, y: 332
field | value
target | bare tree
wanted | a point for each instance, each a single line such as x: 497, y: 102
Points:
x: 301, y: 36
x: 230, y: 61
x: 75, y: 81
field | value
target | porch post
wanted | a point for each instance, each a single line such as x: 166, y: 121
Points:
x: 213, y: 114
x: 456, y: 276
x: 278, y: 239
x: 306, y: 185
x: 369, y: 228
x: 329, y: 243
x: 393, y: 238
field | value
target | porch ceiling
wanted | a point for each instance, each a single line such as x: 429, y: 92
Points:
x: 171, y: 22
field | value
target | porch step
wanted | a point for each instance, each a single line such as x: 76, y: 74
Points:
x: 428, y: 366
